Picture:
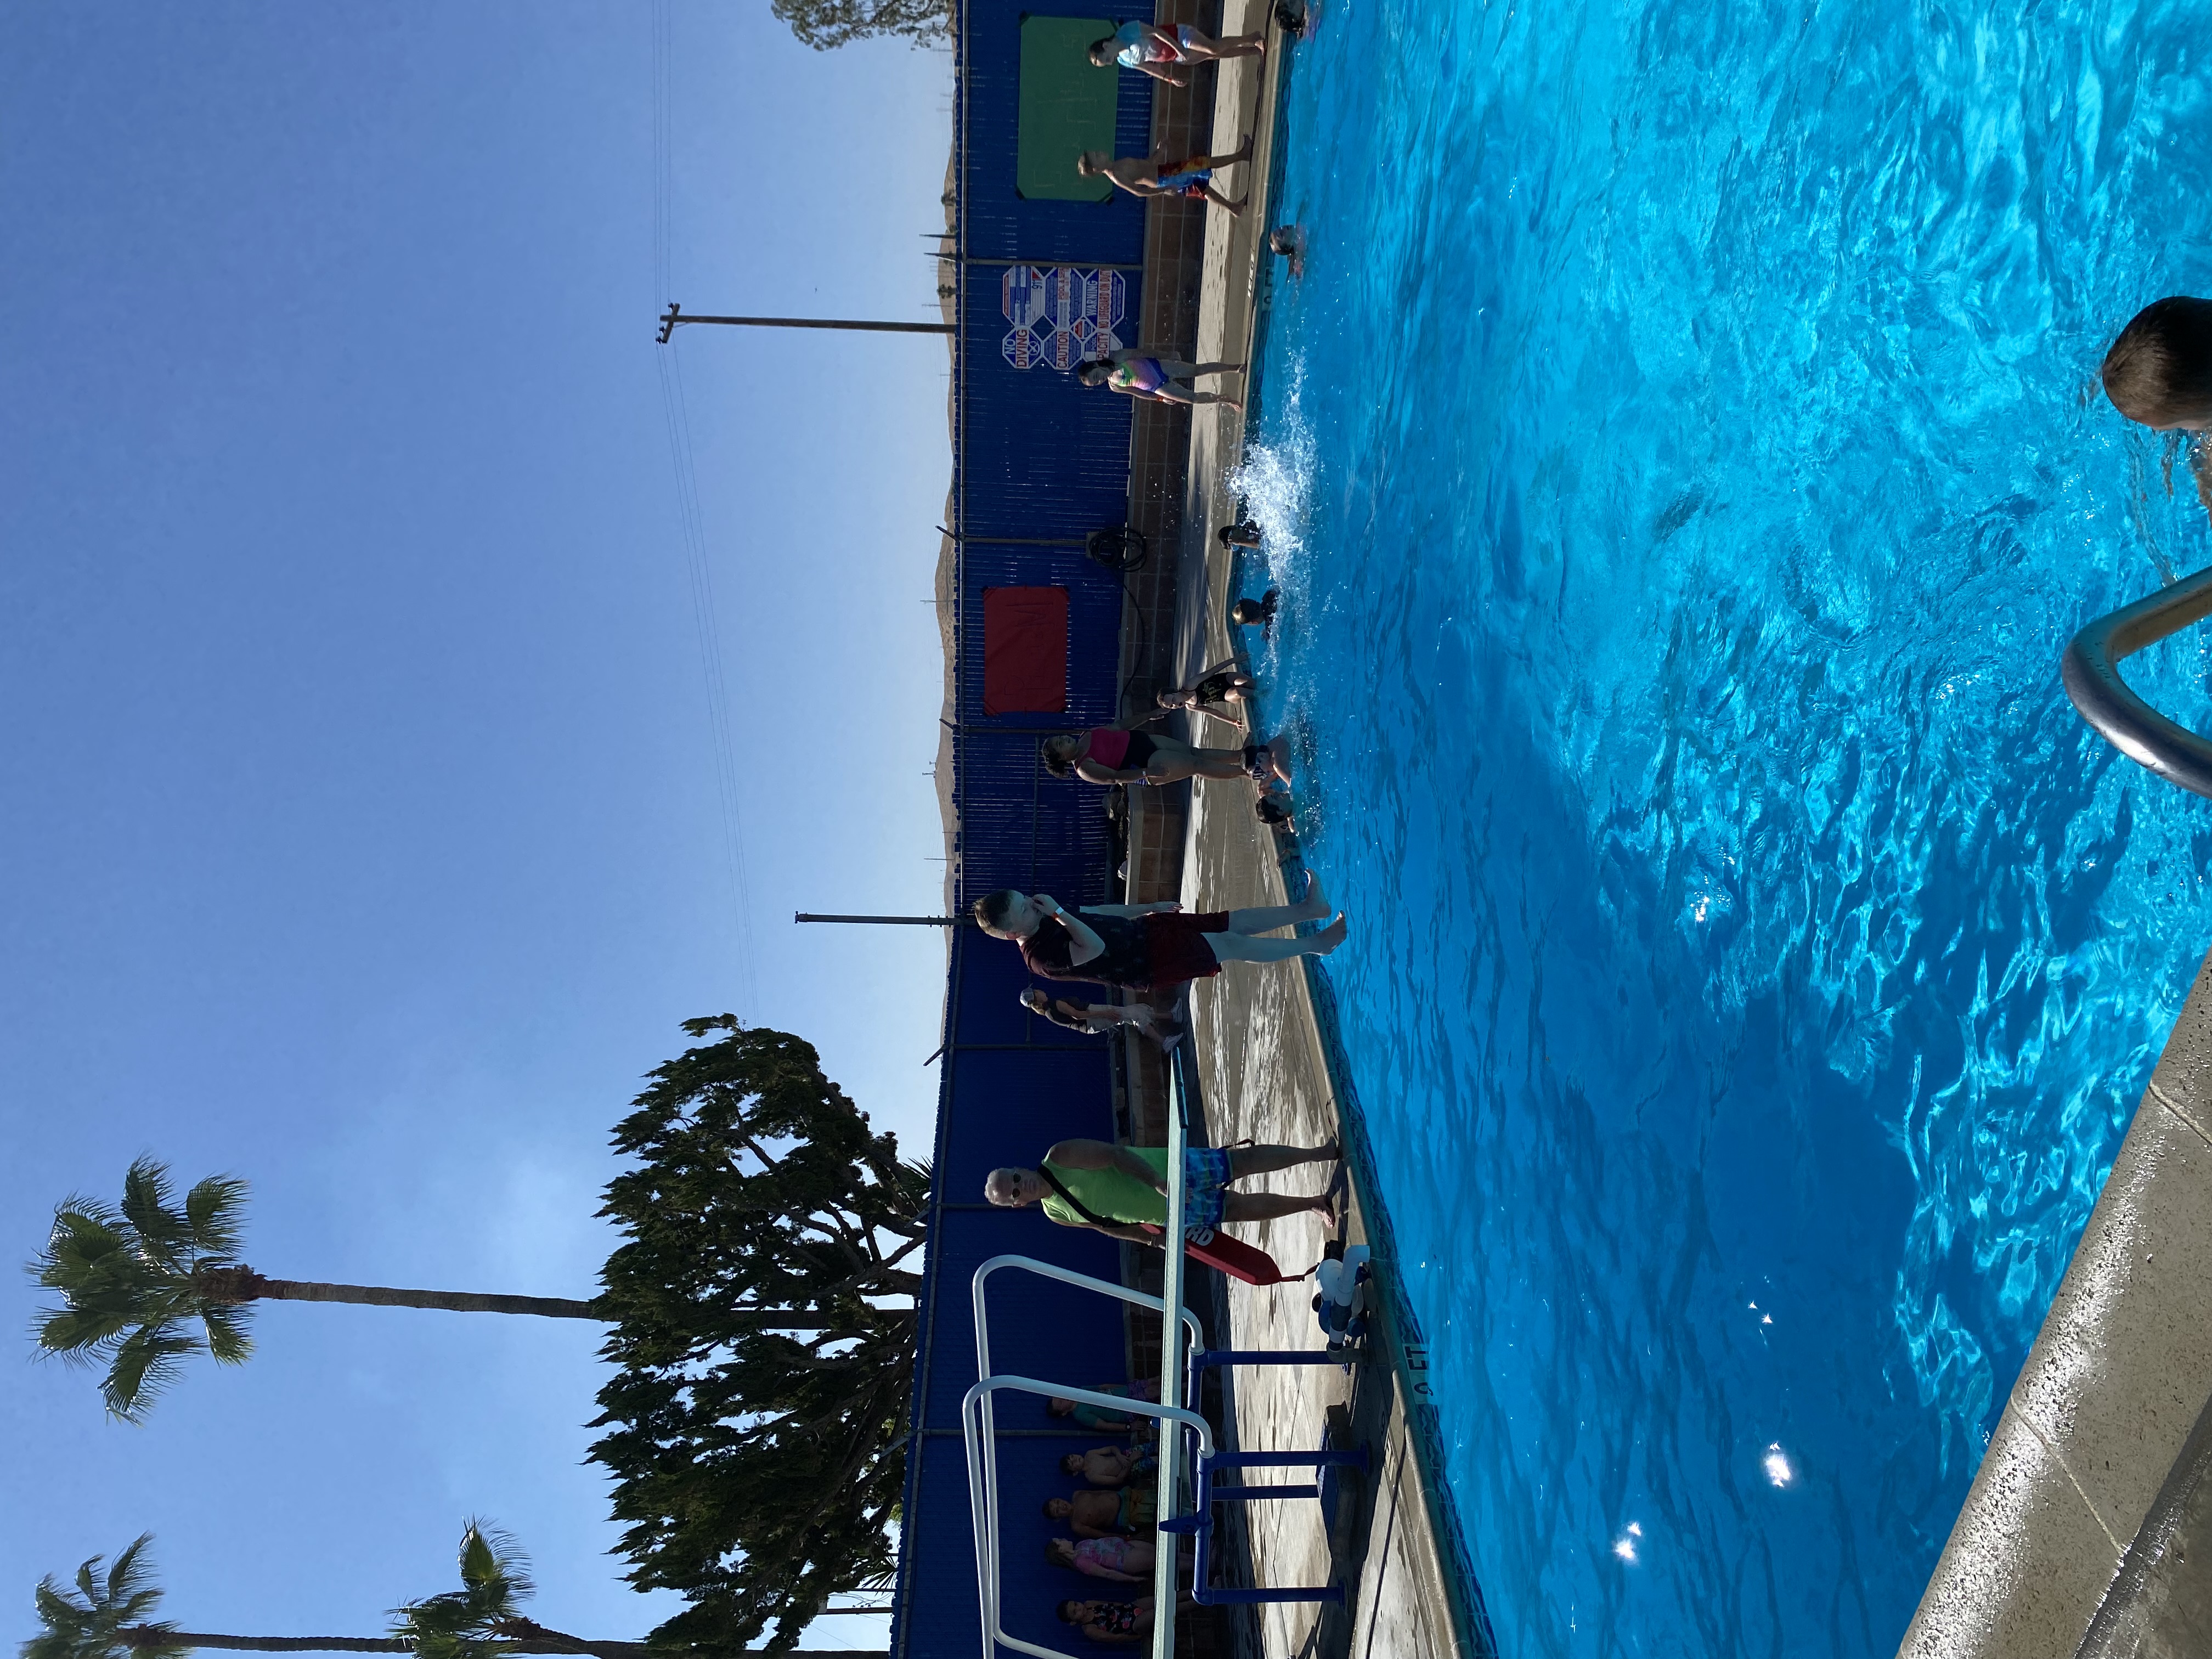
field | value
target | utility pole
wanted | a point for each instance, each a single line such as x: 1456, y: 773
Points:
x: 669, y: 323
x: 895, y: 921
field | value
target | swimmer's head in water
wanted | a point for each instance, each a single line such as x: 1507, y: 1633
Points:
x: 1092, y: 163
x: 1103, y: 52
x: 1250, y: 613
x: 2159, y: 370
x: 1094, y: 373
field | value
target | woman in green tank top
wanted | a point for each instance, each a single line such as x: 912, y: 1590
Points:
x: 1122, y: 1190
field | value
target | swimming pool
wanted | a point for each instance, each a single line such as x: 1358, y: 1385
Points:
x: 1682, y: 478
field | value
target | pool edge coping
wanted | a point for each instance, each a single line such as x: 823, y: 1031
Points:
x: 2110, y: 1393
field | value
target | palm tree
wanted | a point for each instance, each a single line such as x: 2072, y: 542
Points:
x: 134, y: 1279
x: 481, y: 1619
x: 111, y: 1616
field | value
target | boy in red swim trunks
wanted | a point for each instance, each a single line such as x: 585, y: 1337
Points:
x: 1146, y: 946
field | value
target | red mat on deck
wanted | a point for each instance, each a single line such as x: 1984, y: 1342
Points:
x: 1024, y: 650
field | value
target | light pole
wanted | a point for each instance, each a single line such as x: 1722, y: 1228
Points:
x: 668, y: 324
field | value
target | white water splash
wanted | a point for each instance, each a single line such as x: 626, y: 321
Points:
x: 1276, y: 481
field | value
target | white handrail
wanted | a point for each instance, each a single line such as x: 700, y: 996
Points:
x: 1066, y: 1276
x: 983, y: 1486
x: 1163, y: 1556
x: 983, y: 1470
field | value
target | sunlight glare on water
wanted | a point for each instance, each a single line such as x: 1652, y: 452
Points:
x: 1682, y: 468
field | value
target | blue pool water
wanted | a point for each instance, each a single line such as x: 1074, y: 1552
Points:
x: 1683, y: 475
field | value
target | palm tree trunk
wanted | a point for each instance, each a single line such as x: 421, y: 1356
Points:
x: 147, y: 1636
x: 382, y: 1296
x: 536, y: 1639
x: 242, y: 1284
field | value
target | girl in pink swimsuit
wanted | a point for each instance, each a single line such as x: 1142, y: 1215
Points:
x: 1126, y: 1560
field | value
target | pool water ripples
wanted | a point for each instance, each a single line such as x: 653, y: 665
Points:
x: 1681, y: 472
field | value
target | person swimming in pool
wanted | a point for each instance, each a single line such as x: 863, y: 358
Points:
x: 1138, y: 374
x: 1122, y: 1191
x: 1143, y: 947
x: 1112, y: 754
x: 1166, y: 173
x: 1289, y: 241
x: 2158, y: 373
x: 1258, y: 613
x: 1161, y: 51
x: 1245, y: 532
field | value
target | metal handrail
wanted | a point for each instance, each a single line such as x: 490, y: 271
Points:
x: 2092, y: 673
x: 979, y: 1425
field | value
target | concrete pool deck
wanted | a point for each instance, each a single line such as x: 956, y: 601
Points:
x: 2089, y: 1527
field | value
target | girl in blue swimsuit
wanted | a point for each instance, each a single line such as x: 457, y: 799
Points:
x: 1140, y: 376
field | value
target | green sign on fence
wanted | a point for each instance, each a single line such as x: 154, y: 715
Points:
x: 1066, y: 107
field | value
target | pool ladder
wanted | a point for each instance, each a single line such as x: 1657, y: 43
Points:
x: 2092, y: 672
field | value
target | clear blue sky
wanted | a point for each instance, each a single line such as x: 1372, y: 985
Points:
x: 360, y: 832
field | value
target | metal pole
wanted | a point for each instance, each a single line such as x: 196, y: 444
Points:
x: 668, y: 324
x: 892, y: 921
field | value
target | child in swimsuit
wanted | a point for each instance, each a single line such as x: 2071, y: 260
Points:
x: 1140, y: 376
x: 1103, y: 1556
x: 1161, y: 51
x: 1090, y: 1417
x: 1185, y: 179
x: 1102, y: 1621
x: 1257, y: 613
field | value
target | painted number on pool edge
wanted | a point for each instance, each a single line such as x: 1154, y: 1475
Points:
x: 1417, y: 1360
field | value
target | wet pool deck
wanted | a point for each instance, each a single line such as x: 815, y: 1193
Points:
x: 1264, y: 1071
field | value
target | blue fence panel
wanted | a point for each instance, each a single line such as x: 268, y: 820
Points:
x: 1036, y: 456
x: 1002, y: 224
x: 1041, y: 1328
x: 991, y: 983
x: 1041, y: 453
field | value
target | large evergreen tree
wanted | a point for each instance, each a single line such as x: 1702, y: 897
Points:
x: 825, y: 23
x: 759, y: 1469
